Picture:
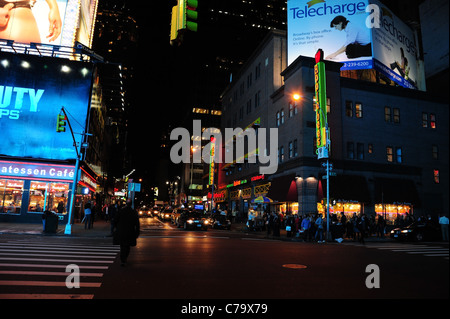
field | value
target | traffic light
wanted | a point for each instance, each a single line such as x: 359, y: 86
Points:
x: 184, y: 17
x: 61, y: 123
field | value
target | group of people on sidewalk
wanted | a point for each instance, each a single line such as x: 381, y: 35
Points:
x: 312, y: 227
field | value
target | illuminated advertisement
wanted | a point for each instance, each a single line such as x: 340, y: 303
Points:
x: 58, y: 22
x: 361, y: 34
x: 338, y: 27
x: 32, y: 92
x: 395, y: 51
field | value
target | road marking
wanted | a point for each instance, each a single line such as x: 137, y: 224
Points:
x: 44, y: 296
x: 67, y: 261
x: 46, y: 283
x: 50, y: 266
x: 47, y: 273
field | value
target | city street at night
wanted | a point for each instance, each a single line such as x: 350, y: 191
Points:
x: 171, y: 263
x: 224, y: 158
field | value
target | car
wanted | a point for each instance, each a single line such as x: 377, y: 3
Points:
x: 194, y: 220
x: 221, y: 222
x: 166, y: 214
x: 144, y: 212
x: 417, y: 232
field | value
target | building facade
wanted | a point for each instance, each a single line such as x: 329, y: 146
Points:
x: 389, y: 145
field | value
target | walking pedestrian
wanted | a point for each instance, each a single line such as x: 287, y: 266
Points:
x: 87, y: 215
x: 361, y: 225
x: 127, y: 230
x: 443, y: 221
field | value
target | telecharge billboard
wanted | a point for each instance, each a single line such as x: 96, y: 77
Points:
x: 32, y: 92
x: 356, y: 34
x: 58, y: 22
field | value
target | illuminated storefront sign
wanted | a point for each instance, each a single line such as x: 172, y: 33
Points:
x: 37, y: 171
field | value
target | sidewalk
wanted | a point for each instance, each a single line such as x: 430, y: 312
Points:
x: 242, y: 228
x: 100, y: 229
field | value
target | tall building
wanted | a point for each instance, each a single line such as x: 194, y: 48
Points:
x: 389, y: 145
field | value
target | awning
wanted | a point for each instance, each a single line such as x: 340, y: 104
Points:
x: 283, y: 189
x: 345, y: 187
x: 392, y: 190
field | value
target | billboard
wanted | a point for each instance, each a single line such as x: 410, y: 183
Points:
x: 58, y: 22
x: 361, y: 34
x: 317, y: 24
x: 32, y: 92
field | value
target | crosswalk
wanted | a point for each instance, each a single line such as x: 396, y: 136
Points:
x: 47, y: 270
x: 428, y: 250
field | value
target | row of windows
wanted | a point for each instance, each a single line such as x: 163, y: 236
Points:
x: 293, y: 110
x: 391, y: 114
x: 292, y: 152
x: 394, y: 154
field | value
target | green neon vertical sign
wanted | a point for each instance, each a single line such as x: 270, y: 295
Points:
x: 321, y: 100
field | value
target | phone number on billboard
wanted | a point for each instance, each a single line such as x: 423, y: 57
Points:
x: 356, y: 64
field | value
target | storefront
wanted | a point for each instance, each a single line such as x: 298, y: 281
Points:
x: 27, y: 189
x: 283, y: 192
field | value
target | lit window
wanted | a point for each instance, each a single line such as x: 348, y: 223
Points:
x: 436, y: 176
x: 390, y: 154
x: 359, y: 111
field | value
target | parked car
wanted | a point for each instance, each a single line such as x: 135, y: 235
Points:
x: 194, y: 220
x: 417, y: 232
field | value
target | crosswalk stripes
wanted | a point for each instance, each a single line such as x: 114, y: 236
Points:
x: 412, y: 249
x: 33, y: 270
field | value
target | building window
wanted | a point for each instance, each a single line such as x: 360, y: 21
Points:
x: 436, y: 176
x: 282, y: 116
x: 257, y: 99
x: 387, y: 114
x: 349, y: 108
x: 389, y: 154
x: 396, y: 115
x: 48, y: 196
x: 249, y: 80
x: 398, y: 155
x: 292, y: 108
x: 249, y: 106
x: 10, y: 196
x: 281, y: 154
x: 360, y: 151
x: 425, y: 120
x: 328, y: 105
x: 358, y: 110
x: 291, y: 150
x: 433, y: 121
x: 278, y: 118
x: 258, y: 71
x: 435, y: 152
x: 370, y: 148
x: 295, y: 148
x: 241, y: 113
x: 350, y: 150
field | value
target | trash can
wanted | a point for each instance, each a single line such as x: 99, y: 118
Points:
x: 51, y: 223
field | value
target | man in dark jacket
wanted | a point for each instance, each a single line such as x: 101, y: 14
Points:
x: 127, y: 226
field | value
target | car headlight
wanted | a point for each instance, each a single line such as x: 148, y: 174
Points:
x: 140, y: 213
x: 206, y: 222
x: 190, y: 221
x: 406, y: 231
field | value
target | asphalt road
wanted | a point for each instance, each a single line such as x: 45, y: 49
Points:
x: 221, y: 267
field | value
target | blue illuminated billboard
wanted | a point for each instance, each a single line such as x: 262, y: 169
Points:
x: 32, y: 92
